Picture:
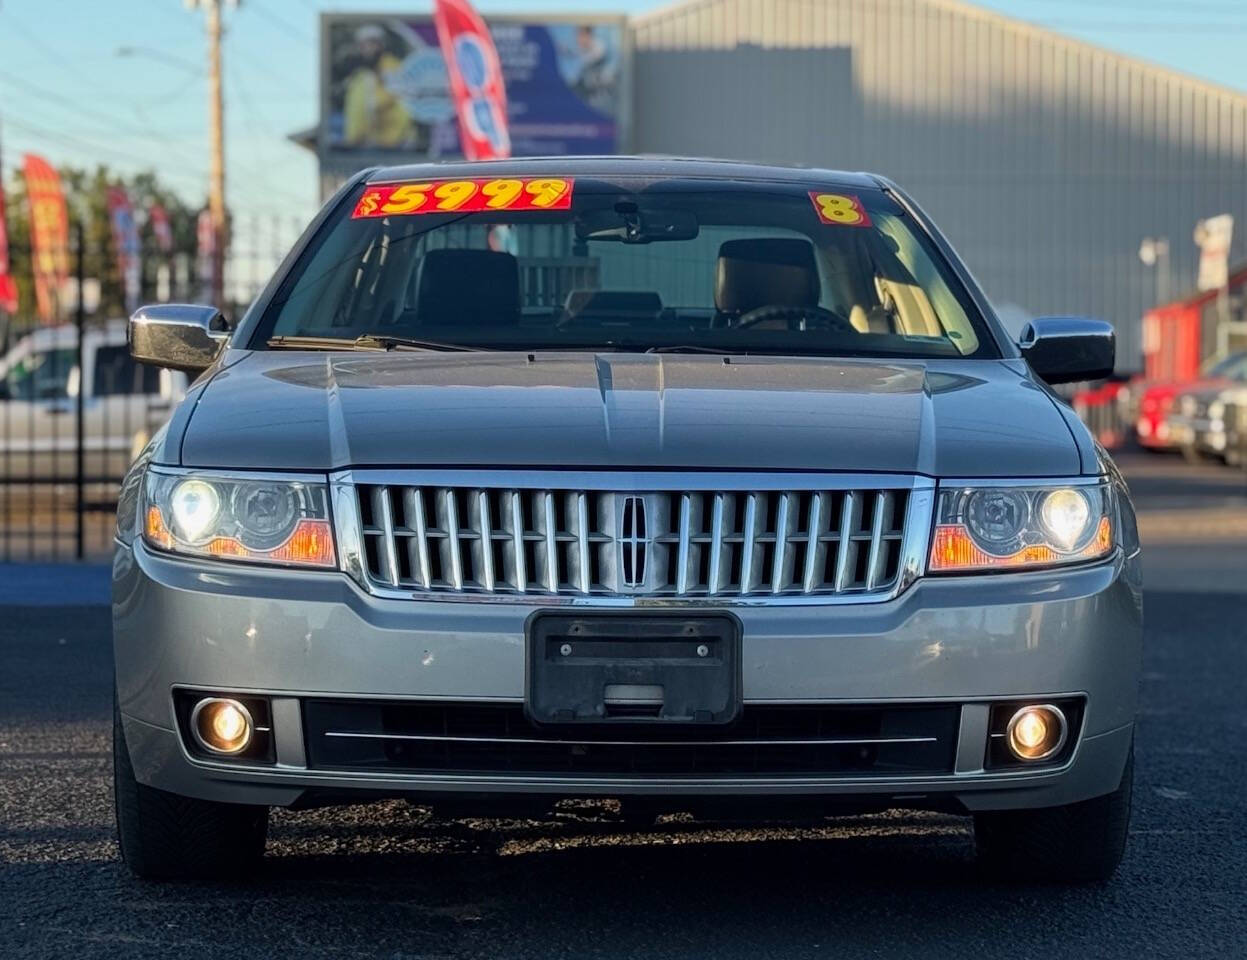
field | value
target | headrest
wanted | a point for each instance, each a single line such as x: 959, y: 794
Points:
x: 765, y: 271
x: 467, y: 288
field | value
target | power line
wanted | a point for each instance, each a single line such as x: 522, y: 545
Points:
x: 76, y: 143
x: 255, y: 124
x: 68, y: 103
x: 284, y: 24
x: 48, y: 51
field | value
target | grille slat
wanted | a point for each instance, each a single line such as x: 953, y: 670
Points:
x: 387, y: 555
x: 878, y: 548
x: 846, y: 553
x: 483, y: 547
x: 588, y: 542
x: 413, y: 504
x: 515, y: 563
x: 718, y: 575
x: 781, y: 562
x: 550, y: 546
x: 684, y: 557
x: 816, y: 545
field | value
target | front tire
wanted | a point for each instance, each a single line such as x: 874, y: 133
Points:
x: 1077, y: 843
x: 165, y: 836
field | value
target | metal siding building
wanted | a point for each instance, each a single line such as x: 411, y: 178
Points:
x: 1045, y: 160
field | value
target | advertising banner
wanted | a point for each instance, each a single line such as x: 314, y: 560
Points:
x: 205, y: 261
x: 385, y: 88
x: 49, y: 235
x: 476, y: 85
x: 126, y: 243
x: 8, y: 288
x: 162, y: 230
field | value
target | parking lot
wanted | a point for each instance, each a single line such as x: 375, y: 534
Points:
x: 387, y: 880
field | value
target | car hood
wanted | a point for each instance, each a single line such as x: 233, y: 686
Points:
x: 323, y: 411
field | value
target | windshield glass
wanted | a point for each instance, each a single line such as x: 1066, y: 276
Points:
x: 767, y: 268
x: 41, y: 375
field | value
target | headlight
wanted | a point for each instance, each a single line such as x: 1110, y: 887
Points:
x: 253, y: 519
x: 988, y: 528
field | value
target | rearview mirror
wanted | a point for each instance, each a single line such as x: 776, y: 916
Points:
x: 624, y: 223
x: 1069, y: 349
x: 177, y: 336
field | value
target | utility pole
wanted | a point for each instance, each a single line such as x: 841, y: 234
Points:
x: 216, y: 138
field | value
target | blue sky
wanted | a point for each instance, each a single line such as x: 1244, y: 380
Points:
x: 66, y: 92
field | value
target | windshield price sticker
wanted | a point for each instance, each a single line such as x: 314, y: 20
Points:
x: 840, y: 209
x: 464, y: 196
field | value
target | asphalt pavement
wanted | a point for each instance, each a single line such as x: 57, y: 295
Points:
x: 387, y: 880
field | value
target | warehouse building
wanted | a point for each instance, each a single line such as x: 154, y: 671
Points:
x: 1047, y: 161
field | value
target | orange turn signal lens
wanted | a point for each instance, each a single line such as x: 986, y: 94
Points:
x: 953, y: 549
x: 311, y: 543
x: 156, y: 531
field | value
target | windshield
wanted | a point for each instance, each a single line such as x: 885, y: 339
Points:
x: 1233, y: 367
x: 764, y: 268
x: 40, y: 375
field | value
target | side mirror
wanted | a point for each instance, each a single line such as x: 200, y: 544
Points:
x: 178, y: 336
x: 1069, y: 349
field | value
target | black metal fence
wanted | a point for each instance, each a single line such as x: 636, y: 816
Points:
x: 75, y: 409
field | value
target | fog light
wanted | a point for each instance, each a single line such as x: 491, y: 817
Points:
x: 221, y: 726
x: 1036, y: 732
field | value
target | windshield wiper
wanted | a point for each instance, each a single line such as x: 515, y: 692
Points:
x: 693, y: 348
x: 369, y: 341
x: 386, y: 342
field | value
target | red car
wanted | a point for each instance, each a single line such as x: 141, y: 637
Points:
x: 1156, y: 400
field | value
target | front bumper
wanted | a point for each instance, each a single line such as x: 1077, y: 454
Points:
x: 290, y: 635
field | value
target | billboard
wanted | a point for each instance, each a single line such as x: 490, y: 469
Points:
x: 385, y: 90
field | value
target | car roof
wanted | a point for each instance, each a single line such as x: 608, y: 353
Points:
x: 109, y: 333
x: 609, y: 167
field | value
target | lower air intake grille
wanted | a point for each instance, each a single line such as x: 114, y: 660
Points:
x: 498, y: 739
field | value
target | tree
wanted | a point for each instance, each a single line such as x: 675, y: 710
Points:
x: 86, y: 194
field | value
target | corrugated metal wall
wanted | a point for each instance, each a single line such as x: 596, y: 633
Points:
x: 1045, y: 160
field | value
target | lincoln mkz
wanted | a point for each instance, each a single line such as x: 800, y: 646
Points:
x: 689, y: 486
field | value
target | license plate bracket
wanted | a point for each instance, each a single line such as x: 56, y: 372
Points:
x: 640, y: 668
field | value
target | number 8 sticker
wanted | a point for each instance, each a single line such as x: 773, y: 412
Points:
x: 839, y: 209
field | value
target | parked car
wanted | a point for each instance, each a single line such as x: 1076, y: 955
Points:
x: 123, y: 404
x: 1235, y: 399
x: 1157, y: 400
x: 701, y: 486
x: 1205, y: 423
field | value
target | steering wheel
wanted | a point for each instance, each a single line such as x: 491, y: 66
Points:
x: 797, y: 318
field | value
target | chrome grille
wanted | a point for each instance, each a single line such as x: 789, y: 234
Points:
x: 480, y: 539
